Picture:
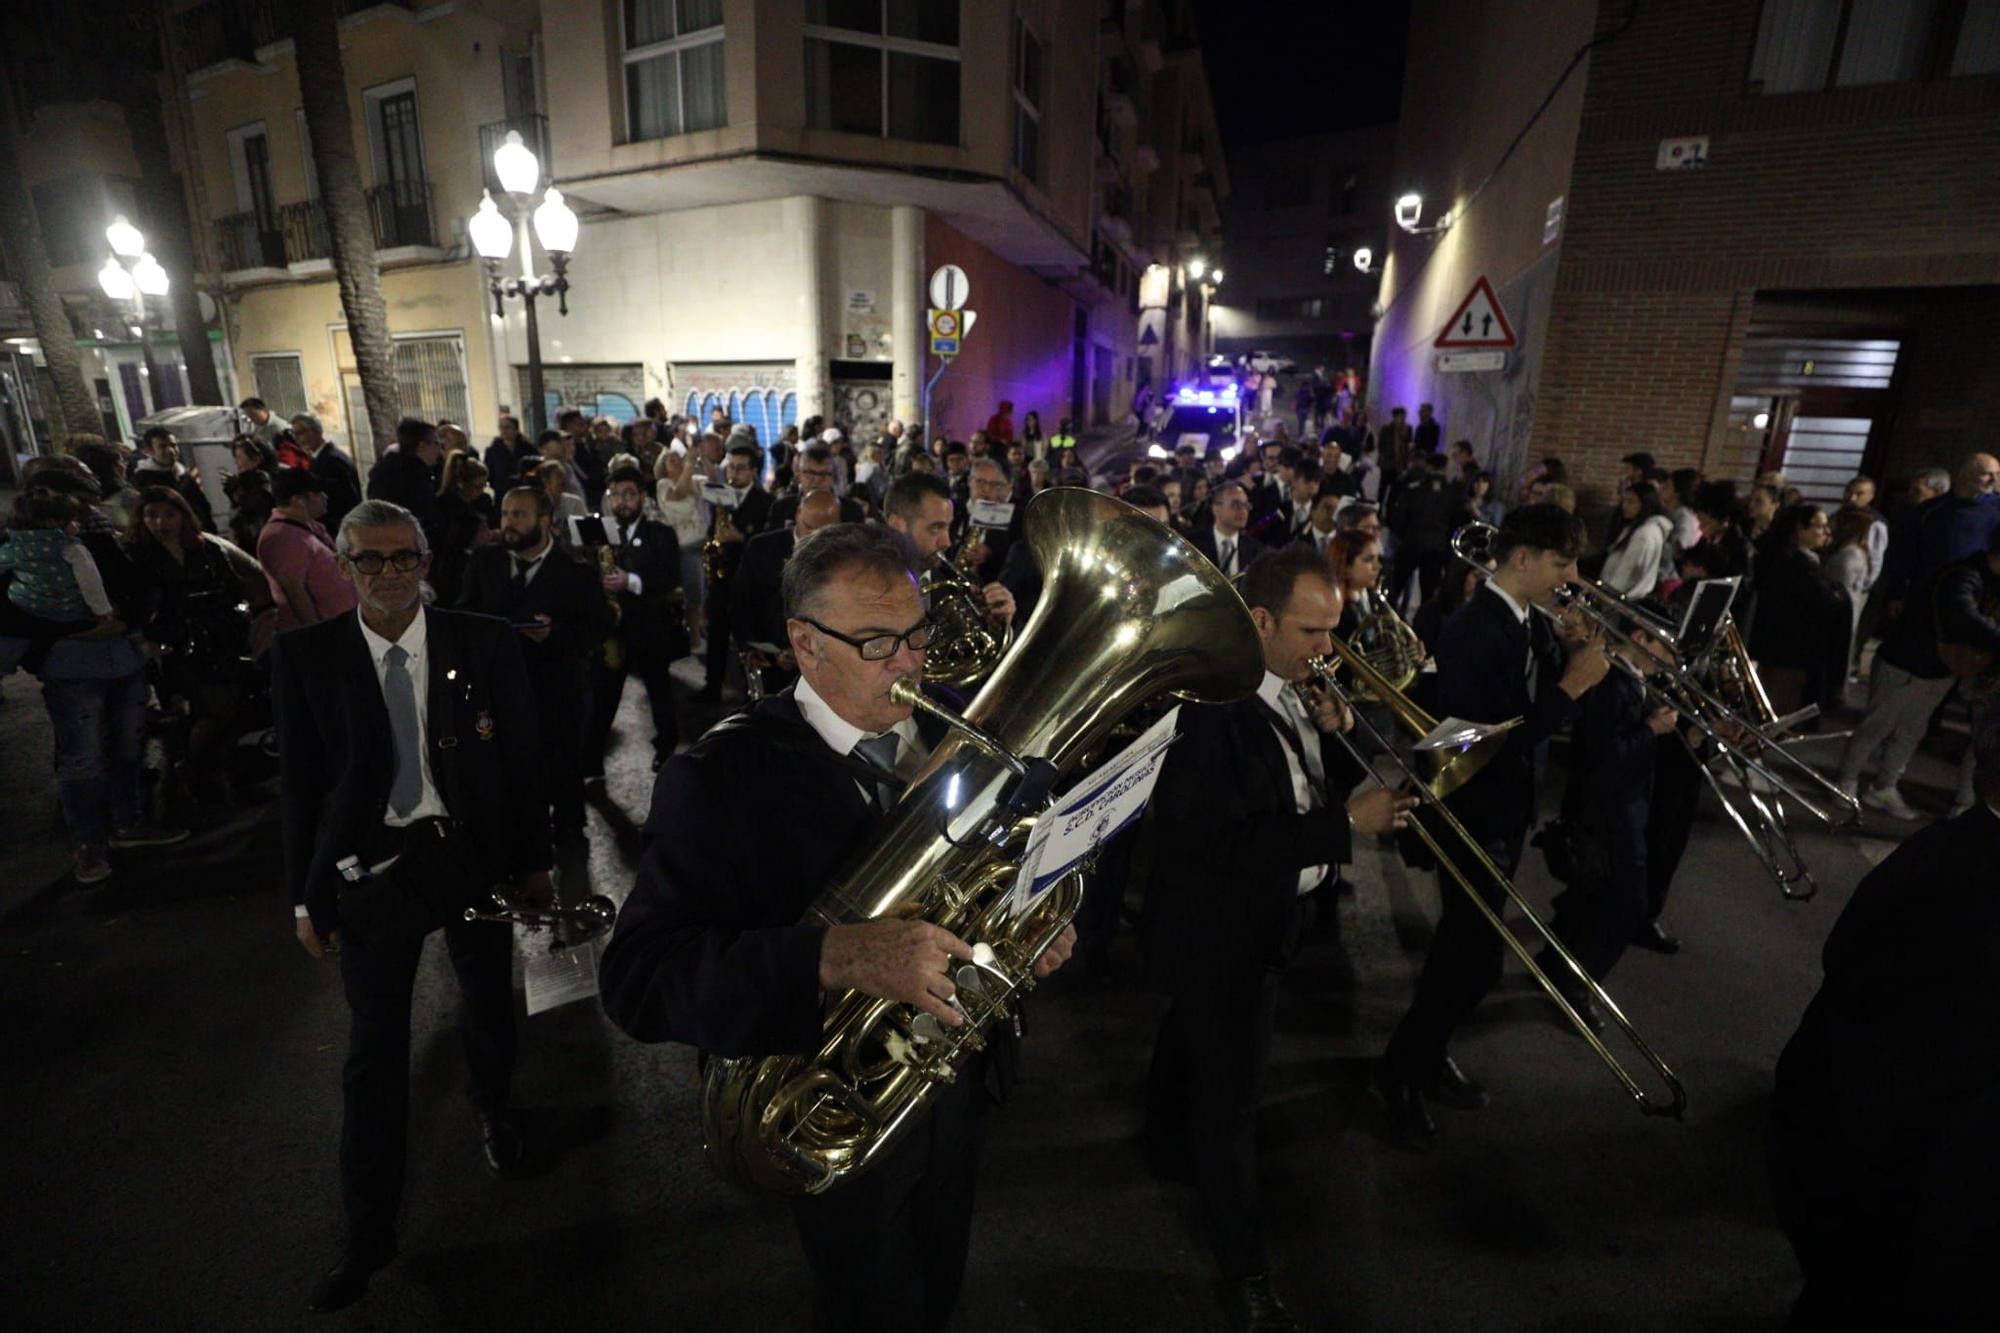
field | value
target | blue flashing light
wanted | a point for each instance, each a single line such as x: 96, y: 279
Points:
x: 1185, y: 394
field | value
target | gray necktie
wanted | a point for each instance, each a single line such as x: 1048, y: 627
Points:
x: 881, y: 752
x: 1229, y: 556
x: 401, y: 694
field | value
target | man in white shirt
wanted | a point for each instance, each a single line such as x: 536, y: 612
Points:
x: 1225, y: 542
x: 1249, y: 817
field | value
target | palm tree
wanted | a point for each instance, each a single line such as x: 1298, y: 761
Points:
x: 350, y: 237
x: 30, y: 260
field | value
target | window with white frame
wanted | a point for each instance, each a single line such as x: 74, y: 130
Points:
x: 281, y: 382
x: 1029, y: 55
x: 888, y: 68
x: 673, y: 67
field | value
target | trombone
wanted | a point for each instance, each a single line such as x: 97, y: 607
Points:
x: 1736, y: 741
x: 1449, y: 773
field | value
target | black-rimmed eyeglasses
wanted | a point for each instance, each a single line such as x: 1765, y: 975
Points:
x: 882, y: 647
x: 371, y: 562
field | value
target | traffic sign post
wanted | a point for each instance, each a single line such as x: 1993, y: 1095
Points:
x: 948, y: 325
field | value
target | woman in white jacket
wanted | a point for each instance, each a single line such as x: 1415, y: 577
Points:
x: 1632, y: 565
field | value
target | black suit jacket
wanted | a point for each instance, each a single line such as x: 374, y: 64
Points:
x: 406, y: 480
x: 751, y: 516
x: 709, y: 948
x: 1248, y: 552
x: 653, y: 619
x: 565, y: 589
x: 1482, y: 657
x: 756, y: 596
x: 1224, y: 843
x: 339, y: 479
x: 338, y: 757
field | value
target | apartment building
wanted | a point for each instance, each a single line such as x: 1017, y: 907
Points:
x: 1740, y: 234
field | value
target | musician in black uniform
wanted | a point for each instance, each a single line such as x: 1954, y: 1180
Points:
x: 812, y: 471
x: 409, y: 754
x: 652, y: 626
x: 757, y: 595
x: 710, y: 949
x: 919, y: 506
x: 556, y: 604
x: 733, y: 526
x: 1226, y: 542
x: 1883, y: 1158
x: 1226, y: 911
x: 985, y: 559
x: 1497, y: 660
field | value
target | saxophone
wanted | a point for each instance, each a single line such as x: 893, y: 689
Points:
x: 614, y: 642
x: 715, y: 551
x: 1128, y: 610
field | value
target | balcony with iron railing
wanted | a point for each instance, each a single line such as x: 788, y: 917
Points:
x: 246, y: 241
x: 534, y: 131
x: 401, y: 212
x: 304, y: 228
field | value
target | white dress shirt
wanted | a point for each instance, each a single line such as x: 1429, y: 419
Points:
x: 841, y: 735
x: 1233, y: 562
x: 627, y: 534
x: 430, y: 805
x: 1285, y: 701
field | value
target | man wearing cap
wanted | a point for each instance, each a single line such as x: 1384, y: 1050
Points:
x: 1882, y: 1153
x: 297, y: 554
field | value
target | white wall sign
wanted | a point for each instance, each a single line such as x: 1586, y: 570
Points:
x: 1461, y: 362
x: 1552, y: 221
x: 860, y: 301
x: 1680, y: 154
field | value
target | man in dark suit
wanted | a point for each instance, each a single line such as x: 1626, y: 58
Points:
x: 1497, y: 660
x: 1247, y: 820
x: 651, y: 630
x: 986, y: 558
x: 1227, y: 545
x: 556, y: 604
x: 733, y: 526
x: 1883, y: 1159
x: 920, y: 508
x: 1424, y: 513
x: 338, y: 478
x: 507, y: 455
x: 811, y: 471
x: 410, y: 786
x: 710, y: 948
x: 756, y: 594
x: 408, y: 474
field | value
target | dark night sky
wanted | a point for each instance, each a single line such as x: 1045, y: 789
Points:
x: 1280, y: 69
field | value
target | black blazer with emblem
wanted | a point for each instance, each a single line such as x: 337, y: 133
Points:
x: 708, y: 949
x: 1224, y: 843
x: 565, y: 589
x: 339, y: 758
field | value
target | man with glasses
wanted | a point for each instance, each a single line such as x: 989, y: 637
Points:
x: 410, y: 787
x: 812, y: 471
x: 919, y: 507
x: 1228, y: 547
x: 556, y: 605
x: 710, y: 949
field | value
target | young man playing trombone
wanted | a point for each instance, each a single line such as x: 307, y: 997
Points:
x: 1497, y: 661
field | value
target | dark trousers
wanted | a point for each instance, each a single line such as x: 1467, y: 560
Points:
x: 1605, y: 903
x: 1677, y: 784
x: 1464, y: 961
x: 378, y: 971
x: 607, y: 688
x: 560, y: 700
x: 1426, y: 566
x: 887, y: 1248
x: 716, y: 611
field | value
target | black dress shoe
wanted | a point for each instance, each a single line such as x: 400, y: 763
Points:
x: 347, y: 1281
x: 504, y: 1149
x: 1410, y: 1123
x: 1255, y: 1308
x: 1651, y: 936
x: 1454, y: 1089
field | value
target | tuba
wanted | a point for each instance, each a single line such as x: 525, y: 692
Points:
x: 1128, y: 610
x: 964, y: 647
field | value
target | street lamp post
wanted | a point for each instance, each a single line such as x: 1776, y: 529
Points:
x: 518, y: 171
x: 131, y: 274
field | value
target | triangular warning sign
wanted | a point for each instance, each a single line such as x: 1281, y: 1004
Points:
x: 1149, y: 338
x: 1478, y: 322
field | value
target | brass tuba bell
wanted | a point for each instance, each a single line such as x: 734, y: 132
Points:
x: 1128, y: 611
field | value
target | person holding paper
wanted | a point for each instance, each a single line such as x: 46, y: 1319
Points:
x: 1497, y: 660
x: 411, y: 783
x: 712, y: 947
x: 557, y: 608
x: 1250, y: 815
x: 644, y: 580
x: 983, y: 559
x: 919, y: 507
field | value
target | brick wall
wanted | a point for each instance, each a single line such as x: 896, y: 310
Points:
x: 1893, y: 186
